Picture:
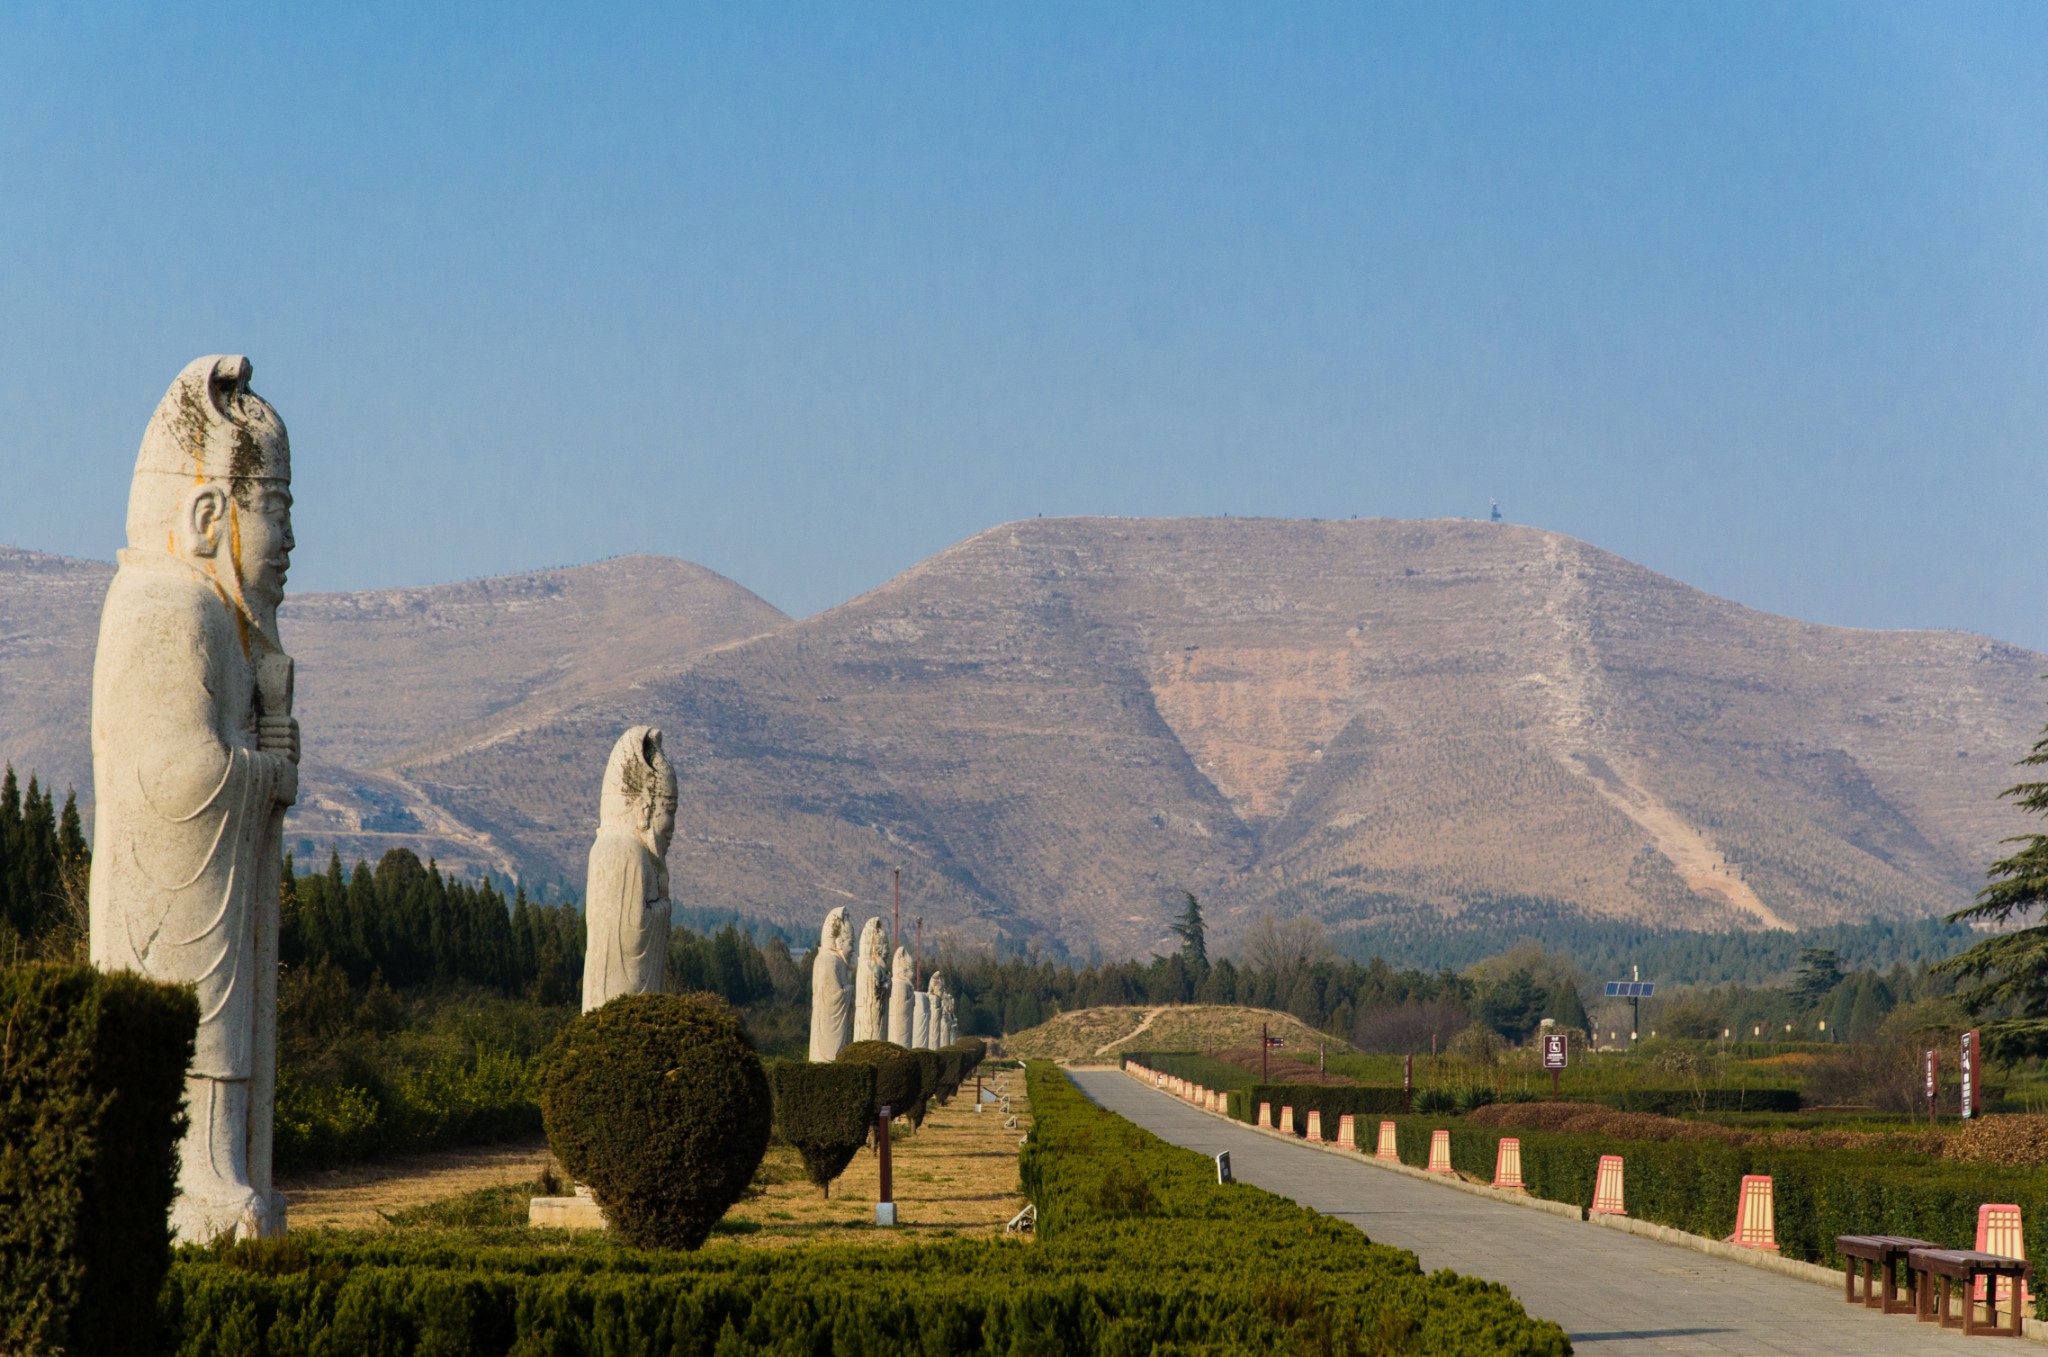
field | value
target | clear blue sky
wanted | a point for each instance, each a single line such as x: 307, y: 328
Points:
x: 1754, y: 294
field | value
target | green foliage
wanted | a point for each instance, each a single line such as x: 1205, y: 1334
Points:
x: 1193, y: 934
x: 899, y: 1078
x: 826, y: 1110
x: 1566, y: 1009
x: 927, y: 1084
x: 1674, y: 1102
x: 1332, y: 1100
x: 1512, y: 1006
x: 1820, y: 970
x: 91, y: 1091
x: 44, y: 864
x: 658, y: 1102
x: 2008, y: 973
x: 1207, y: 1071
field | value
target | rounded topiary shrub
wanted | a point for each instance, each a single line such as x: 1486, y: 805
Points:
x: 898, y: 1082
x: 826, y: 1110
x: 928, y: 1084
x: 658, y: 1103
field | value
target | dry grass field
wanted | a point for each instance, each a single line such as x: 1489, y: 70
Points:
x: 1105, y: 1033
x: 955, y: 1177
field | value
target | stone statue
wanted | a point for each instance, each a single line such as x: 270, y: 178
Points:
x: 936, y: 991
x: 871, y: 985
x: 902, y: 996
x: 949, y: 1025
x: 832, y: 988
x: 921, y: 1022
x: 625, y: 899
x: 195, y: 757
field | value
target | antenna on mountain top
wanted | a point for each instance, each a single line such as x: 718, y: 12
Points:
x: 1496, y: 509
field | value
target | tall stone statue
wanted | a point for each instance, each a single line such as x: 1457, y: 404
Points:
x: 195, y: 757
x: 832, y: 988
x: 949, y: 1024
x: 902, y: 996
x: 936, y: 991
x: 625, y: 898
x: 871, y: 984
x: 921, y: 1022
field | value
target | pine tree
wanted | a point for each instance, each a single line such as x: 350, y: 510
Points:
x: 1566, y: 1009
x: 1194, y: 936
x: 2010, y: 970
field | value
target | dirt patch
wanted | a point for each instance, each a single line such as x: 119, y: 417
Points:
x: 360, y: 1196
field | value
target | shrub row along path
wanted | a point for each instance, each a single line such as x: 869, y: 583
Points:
x: 1614, y: 1293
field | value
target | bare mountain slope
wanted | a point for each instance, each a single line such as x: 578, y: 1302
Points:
x: 1058, y: 724
x: 388, y: 674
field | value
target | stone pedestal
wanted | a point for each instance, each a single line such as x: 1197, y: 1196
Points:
x: 885, y: 1213
x: 579, y: 1212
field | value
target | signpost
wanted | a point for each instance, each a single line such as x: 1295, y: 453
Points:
x: 1556, y: 1055
x: 1933, y: 1081
x: 1635, y: 991
x: 885, y: 1200
x: 1968, y: 1073
x: 1408, y: 1081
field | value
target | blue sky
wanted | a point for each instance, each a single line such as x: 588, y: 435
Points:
x: 1754, y: 294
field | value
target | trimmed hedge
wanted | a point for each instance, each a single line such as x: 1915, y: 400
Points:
x: 1692, y: 1185
x: 826, y: 1110
x: 658, y: 1102
x: 927, y: 1084
x: 1677, y: 1102
x: 1140, y: 1252
x: 1205, y: 1070
x: 1333, y: 1101
x: 899, y: 1079
x: 92, y: 1086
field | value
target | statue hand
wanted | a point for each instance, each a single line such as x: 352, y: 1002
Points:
x: 278, y: 735
x: 287, y: 789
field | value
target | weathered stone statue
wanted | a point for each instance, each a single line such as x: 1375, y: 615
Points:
x: 195, y: 757
x: 625, y: 900
x: 832, y: 988
x: 935, y: 992
x: 902, y: 996
x: 949, y: 1026
x: 871, y: 984
x: 921, y: 1022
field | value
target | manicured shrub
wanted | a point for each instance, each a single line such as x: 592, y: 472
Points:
x: 927, y: 1085
x: 898, y: 1076
x: 1205, y: 1070
x: 1676, y: 1102
x: 659, y: 1104
x: 826, y: 1111
x: 1141, y: 1252
x: 952, y: 1064
x: 92, y: 1083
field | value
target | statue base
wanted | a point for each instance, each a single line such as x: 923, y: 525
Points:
x: 579, y: 1212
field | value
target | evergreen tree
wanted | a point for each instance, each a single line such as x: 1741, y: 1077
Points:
x: 1820, y: 970
x: 2007, y: 974
x: 1194, y: 936
x: 1566, y: 1009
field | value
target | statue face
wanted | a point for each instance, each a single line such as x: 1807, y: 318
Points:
x: 260, y: 530
x: 661, y: 823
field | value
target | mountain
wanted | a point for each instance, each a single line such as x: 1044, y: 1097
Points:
x: 389, y: 675
x: 1056, y: 726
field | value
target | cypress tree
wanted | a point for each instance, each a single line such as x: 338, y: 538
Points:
x: 2009, y: 971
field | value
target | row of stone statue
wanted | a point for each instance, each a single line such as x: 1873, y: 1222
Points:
x: 870, y: 998
x: 195, y: 751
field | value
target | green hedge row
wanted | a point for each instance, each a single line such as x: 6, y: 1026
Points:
x: 1691, y: 1185
x: 1207, y: 1071
x: 1677, y: 1102
x: 92, y: 1085
x: 826, y: 1110
x: 1140, y: 1252
x: 490, y: 1097
x: 1333, y: 1101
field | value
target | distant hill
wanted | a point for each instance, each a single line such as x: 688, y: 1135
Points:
x: 1057, y: 725
x: 1106, y: 1033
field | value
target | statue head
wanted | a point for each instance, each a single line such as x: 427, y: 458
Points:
x: 936, y: 986
x: 874, y: 944
x: 900, y: 968
x: 639, y: 793
x: 837, y: 934
x: 213, y: 485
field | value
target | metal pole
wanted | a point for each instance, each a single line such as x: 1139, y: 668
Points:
x: 882, y: 1141
x: 896, y: 928
x: 1262, y: 1055
x: 917, y: 963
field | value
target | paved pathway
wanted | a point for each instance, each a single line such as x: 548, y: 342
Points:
x: 1614, y: 1293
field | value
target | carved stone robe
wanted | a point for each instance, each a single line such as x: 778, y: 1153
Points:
x: 831, y: 989
x: 870, y: 984
x: 626, y: 915
x: 902, y: 996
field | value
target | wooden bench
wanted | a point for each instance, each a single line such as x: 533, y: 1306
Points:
x: 1950, y: 1268
x: 1881, y: 1255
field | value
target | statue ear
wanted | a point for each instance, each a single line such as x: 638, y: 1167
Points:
x: 200, y: 516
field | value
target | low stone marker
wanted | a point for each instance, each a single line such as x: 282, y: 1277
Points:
x: 1756, y: 1214
x: 1607, y: 1200
x: 1266, y: 1115
x: 1347, y: 1131
x: 1998, y: 1231
x: 1507, y: 1164
x: 1440, y: 1152
x: 1388, y: 1148
x: 1315, y: 1123
x: 577, y: 1212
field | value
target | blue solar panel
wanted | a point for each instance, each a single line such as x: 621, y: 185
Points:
x: 1631, y: 989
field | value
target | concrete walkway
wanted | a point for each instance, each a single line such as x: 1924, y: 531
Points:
x: 1614, y: 1293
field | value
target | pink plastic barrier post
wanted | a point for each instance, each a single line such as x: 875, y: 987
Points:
x: 1998, y: 1231
x: 1440, y: 1152
x: 1507, y: 1164
x: 1756, y: 1214
x: 1607, y: 1199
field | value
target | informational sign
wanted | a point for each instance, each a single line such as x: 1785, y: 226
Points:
x: 1967, y: 1072
x: 1556, y: 1051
